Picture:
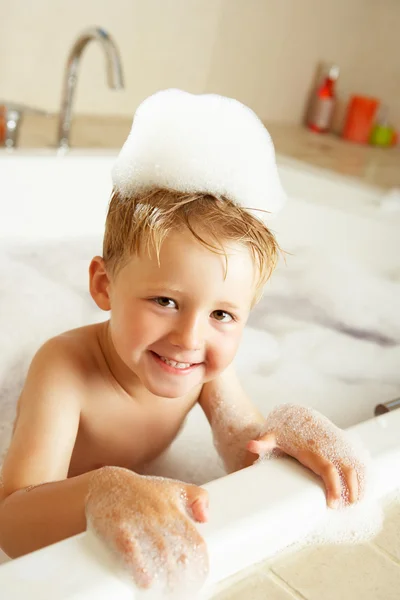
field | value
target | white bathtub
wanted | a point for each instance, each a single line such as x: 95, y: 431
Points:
x: 340, y: 224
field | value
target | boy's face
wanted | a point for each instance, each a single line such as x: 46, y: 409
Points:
x: 182, y: 310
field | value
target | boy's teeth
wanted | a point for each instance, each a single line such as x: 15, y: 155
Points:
x: 177, y: 365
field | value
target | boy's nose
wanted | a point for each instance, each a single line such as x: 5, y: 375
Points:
x: 188, y: 334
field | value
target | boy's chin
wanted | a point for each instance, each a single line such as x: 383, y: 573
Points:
x: 167, y: 385
x: 168, y: 391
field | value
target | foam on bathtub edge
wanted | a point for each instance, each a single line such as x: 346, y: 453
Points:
x: 251, y: 519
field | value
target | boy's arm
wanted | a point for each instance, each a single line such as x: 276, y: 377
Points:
x: 39, y: 455
x: 233, y: 418
x: 241, y: 434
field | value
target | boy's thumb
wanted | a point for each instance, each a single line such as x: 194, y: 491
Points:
x: 197, y: 503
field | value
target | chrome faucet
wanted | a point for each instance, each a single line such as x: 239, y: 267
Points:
x: 12, y: 114
x: 114, y: 76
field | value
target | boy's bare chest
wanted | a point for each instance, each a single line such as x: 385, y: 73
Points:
x: 116, y: 431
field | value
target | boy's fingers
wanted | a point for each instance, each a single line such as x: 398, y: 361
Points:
x: 359, y: 468
x: 197, y: 503
x: 351, y: 480
x: 193, y: 553
x: 263, y: 443
x: 327, y: 471
x: 333, y: 485
x: 133, y: 559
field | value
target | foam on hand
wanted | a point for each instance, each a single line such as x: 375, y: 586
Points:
x: 200, y: 143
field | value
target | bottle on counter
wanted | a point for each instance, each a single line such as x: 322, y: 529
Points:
x: 360, y: 118
x: 323, y: 102
x: 383, y: 133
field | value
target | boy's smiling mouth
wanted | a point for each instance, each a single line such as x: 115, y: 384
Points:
x: 177, y: 365
x: 173, y: 366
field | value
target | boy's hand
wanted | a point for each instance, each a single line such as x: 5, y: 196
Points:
x: 319, y: 445
x: 147, y: 522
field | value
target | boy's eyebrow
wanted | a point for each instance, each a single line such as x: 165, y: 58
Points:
x: 229, y: 305
x: 164, y: 287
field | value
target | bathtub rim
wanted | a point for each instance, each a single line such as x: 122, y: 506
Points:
x: 97, y: 572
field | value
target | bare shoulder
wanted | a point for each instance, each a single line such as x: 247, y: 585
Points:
x: 59, y: 355
x: 79, y: 345
x: 48, y: 412
x: 73, y: 352
x: 63, y: 365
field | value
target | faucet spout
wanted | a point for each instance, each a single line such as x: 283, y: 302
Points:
x: 115, y: 78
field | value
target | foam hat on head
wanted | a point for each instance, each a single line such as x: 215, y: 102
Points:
x: 200, y: 143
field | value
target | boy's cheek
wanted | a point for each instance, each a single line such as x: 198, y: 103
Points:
x: 134, y: 326
x: 222, y: 356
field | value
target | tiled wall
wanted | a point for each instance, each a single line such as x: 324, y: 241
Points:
x: 263, y: 52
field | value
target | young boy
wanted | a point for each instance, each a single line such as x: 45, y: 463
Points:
x: 184, y: 261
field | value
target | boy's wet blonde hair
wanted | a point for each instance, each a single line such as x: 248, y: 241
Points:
x: 143, y: 221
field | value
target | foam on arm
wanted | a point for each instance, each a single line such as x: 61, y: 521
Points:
x: 233, y: 418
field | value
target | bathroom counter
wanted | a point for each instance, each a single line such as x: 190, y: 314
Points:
x: 377, y: 166
x: 371, y: 165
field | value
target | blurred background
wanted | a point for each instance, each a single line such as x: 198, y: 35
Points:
x: 269, y: 54
x: 262, y: 52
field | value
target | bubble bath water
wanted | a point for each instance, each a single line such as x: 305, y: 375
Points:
x: 295, y: 349
x: 292, y: 350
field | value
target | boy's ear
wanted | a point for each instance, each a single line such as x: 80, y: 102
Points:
x: 99, y: 283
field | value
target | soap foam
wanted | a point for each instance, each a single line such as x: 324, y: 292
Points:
x: 146, y: 524
x: 299, y: 430
x: 356, y: 524
x: 352, y: 523
x: 352, y: 298
x: 200, y: 143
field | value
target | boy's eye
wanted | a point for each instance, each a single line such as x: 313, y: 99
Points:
x: 165, y: 302
x: 222, y: 316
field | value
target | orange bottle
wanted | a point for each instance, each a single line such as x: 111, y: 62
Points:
x: 360, y: 119
x: 323, y: 103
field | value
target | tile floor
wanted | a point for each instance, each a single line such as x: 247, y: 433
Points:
x: 369, y: 571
